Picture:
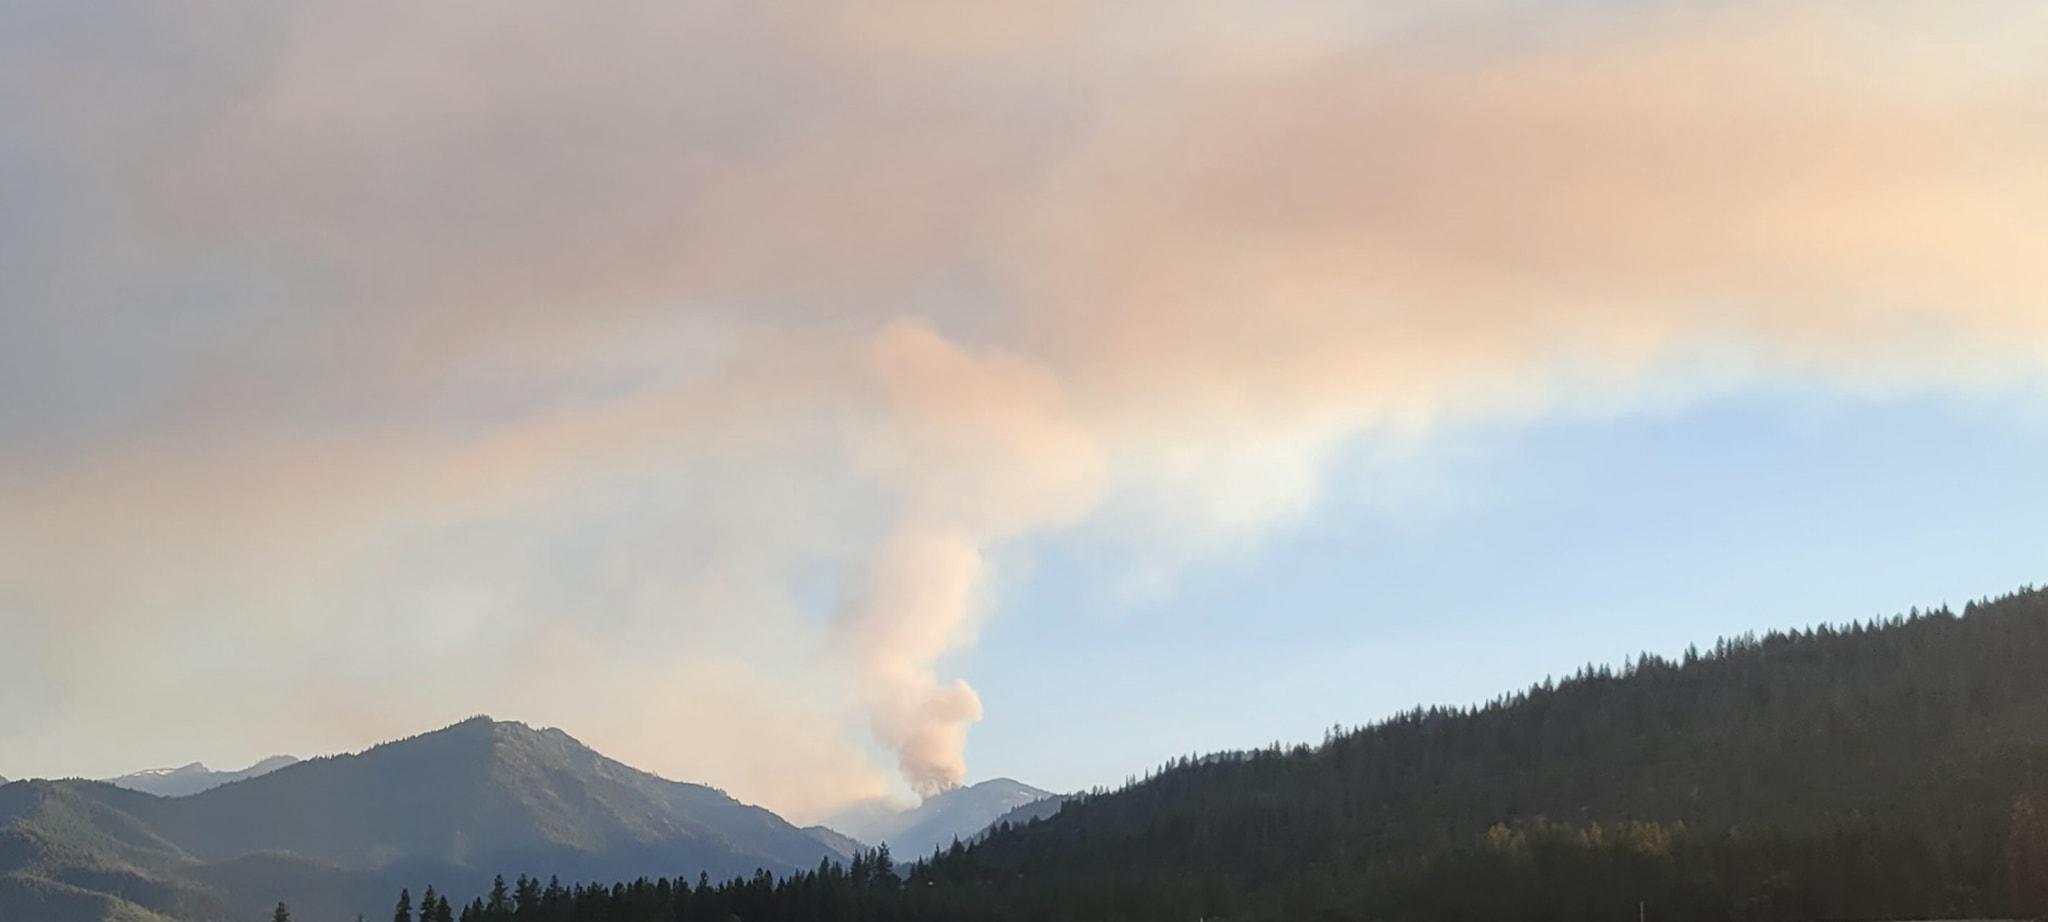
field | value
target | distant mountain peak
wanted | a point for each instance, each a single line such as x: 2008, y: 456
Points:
x: 188, y: 768
x: 481, y: 723
x: 992, y: 784
x: 956, y: 813
x: 484, y: 725
x: 194, y: 777
x: 992, y: 789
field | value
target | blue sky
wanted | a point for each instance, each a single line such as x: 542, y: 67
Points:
x: 1538, y: 549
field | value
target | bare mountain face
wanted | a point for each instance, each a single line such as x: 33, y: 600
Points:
x: 193, y: 778
x: 335, y: 836
x: 961, y: 813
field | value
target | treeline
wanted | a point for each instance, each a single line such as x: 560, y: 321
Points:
x: 871, y: 887
x: 1539, y: 871
x: 1883, y: 769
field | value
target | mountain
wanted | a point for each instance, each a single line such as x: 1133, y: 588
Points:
x: 193, y: 778
x: 960, y: 813
x: 74, y: 850
x: 842, y: 846
x: 337, y: 835
x: 1878, y: 770
x: 868, y: 820
x: 1896, y: 769
x: 1040, y: 809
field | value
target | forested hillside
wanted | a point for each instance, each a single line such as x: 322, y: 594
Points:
x: 1879, y: 770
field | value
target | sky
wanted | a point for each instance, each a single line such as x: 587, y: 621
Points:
x: 832, y: 401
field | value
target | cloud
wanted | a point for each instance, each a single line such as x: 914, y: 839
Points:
x: 395, y: 353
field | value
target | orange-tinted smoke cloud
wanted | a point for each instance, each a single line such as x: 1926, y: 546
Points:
x: 954, y: 280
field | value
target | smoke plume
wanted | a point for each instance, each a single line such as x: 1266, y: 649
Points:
x: 919, y: 593
x: 565, y: 344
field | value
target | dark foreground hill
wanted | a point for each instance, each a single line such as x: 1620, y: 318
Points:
x: 1873, y: 771
x: 333, y: 835
x: 1888, y: 770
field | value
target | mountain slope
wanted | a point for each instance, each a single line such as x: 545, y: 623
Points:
x: 961, y: 813
x: 28, y: 897
x: 79, y: 850
x: 329, y: 834
x: 1891, y: 770
x: 1032, y: 812
x: 484, y: 790
x: 842, y: 846
x: 1921, y: 733
x: 193, y: 778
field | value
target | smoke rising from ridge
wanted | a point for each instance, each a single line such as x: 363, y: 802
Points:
x: 920, y: 590
x: 982, y: 448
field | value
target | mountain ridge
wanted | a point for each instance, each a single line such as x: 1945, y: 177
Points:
x: 962, y: 813
x: 1863, y: 770
x: 1880, y: 769
x: 957, y: 813
x: 454, y: 805
x: 194, y: 777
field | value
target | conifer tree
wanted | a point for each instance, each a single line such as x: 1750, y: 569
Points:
x: 883, y: 867
x: 526, y: 896
x: 499, y: 904
x: 2027, y: 857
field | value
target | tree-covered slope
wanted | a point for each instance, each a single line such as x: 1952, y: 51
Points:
x: 76, y: 850
x: 1870, y: 771
x: 1927, y: 727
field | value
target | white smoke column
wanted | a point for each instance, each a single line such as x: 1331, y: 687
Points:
x: 918, y: 600
x: 983, y: 448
